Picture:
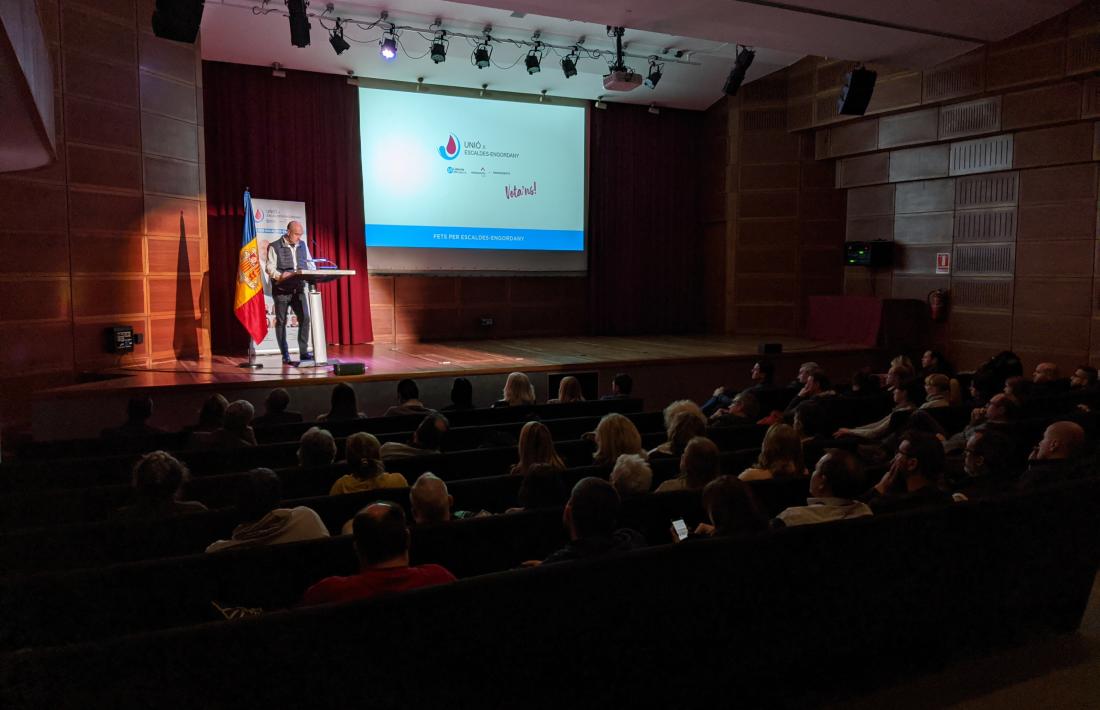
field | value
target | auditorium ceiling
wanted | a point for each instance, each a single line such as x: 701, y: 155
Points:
x: 904, y: 33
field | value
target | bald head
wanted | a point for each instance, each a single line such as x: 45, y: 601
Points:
x: 1061, y: 440
x: 381, y: 535
x: 431, y: 503
x: 294, y: 231
x: 1045, y: 372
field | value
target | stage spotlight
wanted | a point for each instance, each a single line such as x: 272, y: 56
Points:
x: 482, y: 55
x: 569, y: 65
x: 740, y: 68
x: 439, y: 48
x: 534, y: 64
x: 654, y: 75
x: 388, y: 47
x: 339, y: 44
x: 299, y: 22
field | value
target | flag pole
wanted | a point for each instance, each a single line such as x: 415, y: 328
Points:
x: 250, y: 363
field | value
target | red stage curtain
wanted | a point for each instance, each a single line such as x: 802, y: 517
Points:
x: 645, y: 232
x: 292, y: 138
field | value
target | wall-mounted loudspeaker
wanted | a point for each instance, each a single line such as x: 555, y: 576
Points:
x: 859, y: 84
x: 178, y: 20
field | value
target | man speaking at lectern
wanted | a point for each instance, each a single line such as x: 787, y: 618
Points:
x: 284, y: 255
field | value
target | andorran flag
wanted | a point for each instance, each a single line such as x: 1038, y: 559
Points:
x: 249, y: 301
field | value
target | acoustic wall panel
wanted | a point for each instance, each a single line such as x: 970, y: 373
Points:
x: 988, y: 225
x: 993, y: 294
x: 981, y: 155
x: 970, y: 118
x: 991, y: 260
x: 961, y: 77
x: 987, y: 190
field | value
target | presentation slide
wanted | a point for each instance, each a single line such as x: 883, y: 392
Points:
x: 453, y: 183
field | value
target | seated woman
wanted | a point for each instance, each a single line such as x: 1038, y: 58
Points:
x: 158, y: 478
x: 569, y: 390
x: 780, y: 456
x: 364, y: 457
x: 542, y: 487
x: 518, y: 392
x: 616, y: 435
x: 730, y: 508
x: 937, y: 389
x: 699, y: 465
x: 343, y: 405
x: 462, y: 396
x: 906, y: 399
x: 684, y: 427
x: 536, y: 446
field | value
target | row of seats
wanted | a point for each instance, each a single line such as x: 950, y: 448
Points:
x: 101, y: 543
x: 709, y: 623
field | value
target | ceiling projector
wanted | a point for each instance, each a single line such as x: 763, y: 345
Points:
x: 621, y: 80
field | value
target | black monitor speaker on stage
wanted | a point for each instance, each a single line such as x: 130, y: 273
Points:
x: 178, y: 20
x: 876, y: 255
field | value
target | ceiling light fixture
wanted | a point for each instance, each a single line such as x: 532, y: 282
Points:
x: 740, y: 67
x: 569, y: 64
x: 439, y: 47
x: 336, y: 39
x: 533, y: 60
x: 654, y: 73
x: 388, y: 46
x: 483, y: 55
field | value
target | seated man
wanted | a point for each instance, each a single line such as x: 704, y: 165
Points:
x: 762, y: 374
x: 408, y: 394
x: 914, y: 476
x: 427, y: 439
x: 998, y: 415
x: 817, y: 386
x: 432, y: 503
x: 236, y: 430
x: 1056, y: 457
x: 382, y: 544
x: 744, y: 410
x: 631, y: 476
x: 316, y: 448
x: 138, y: 411
x: 837, y: 481
x: 158, y: 479
x: 621, y: 387
x: 1084, y: 377
x: 987, y: 466
x: 275, y: 410
x: 265, y: 523
x: 590, y: 517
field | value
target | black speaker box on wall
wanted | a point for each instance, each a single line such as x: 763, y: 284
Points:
x: 859, y: 85
x: 178, y: 20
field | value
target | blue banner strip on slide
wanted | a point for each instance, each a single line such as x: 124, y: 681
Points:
x: 427, y: 237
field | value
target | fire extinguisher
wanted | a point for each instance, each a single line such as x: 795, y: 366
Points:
x: 937, y: 301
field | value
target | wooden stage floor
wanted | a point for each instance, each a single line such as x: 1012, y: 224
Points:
x: 393, y: 361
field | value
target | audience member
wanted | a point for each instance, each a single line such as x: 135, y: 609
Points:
x: 983, y: 386
x: 837, y: 480
x: 914, y: 477
x: 364, y: 457
x: 904, y: 361
x: 427, y: 439
x: 932, y: 362
x: 139, y: 409
x: 780, y: 456
x: 316, y: 448
x: 700, y: 464
x: 730, y: 509
x: 432, y: 503
x: 265, y: 523
x: 343, y: 405
x: 998, y: 414
x: 937, y: 388
x: 680, y: 405
x: 518, y: 392
x: 631, y: 476
x: 865, y: 384
x: 817, y: 386
x: 805, y: 371
x: 275, y: 410
x: 684, y: 427
x: 542, y: 487
x: 591, y: 517
x: 762, y: 374
x: 536, y: 446
x: 743, y: 411
x: 811, y: 423
x: 1084, y: 377
x: 569, y: 390
x: 1020, y: 390
x: 905, y: 394
x: 622, y: 385
x: 211, y: 414
x: 382, y: 544
x: 236, y: 430
x: 616, y: 435
x: 462, y: 396
x: 987, y: 467
x: 157, y: 480
x: 408, y: 395
x: 1056, y: 457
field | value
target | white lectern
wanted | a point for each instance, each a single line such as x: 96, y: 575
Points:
x: 316, y: 311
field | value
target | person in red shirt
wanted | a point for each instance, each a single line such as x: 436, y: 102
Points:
x: 382, y: 543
